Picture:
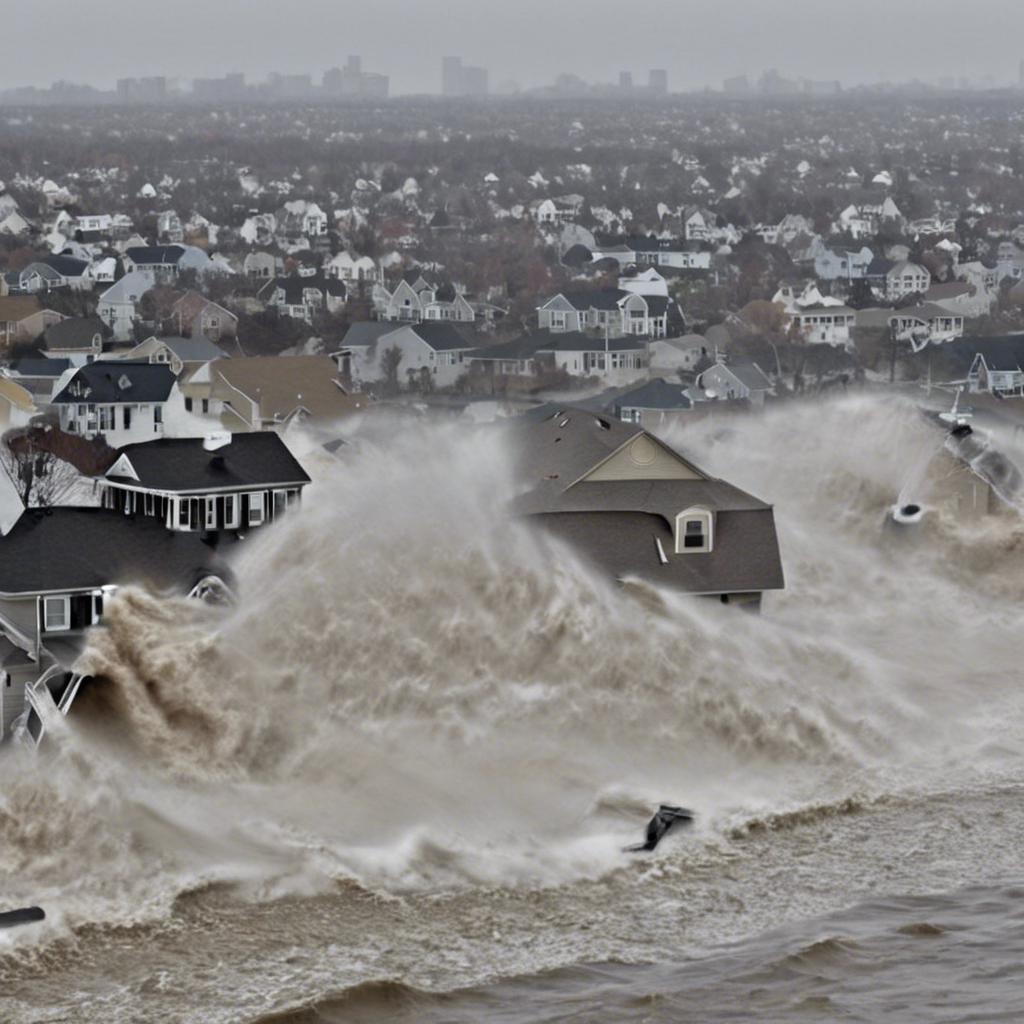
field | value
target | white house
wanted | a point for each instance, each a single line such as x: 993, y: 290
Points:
x: 117, y: 305
x: 437, y: 351
x: 613, y: 361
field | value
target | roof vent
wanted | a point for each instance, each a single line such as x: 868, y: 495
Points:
x: 124, y: 382
x: 216, y: 439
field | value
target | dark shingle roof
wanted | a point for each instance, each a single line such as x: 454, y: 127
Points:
x: 655, y: 394
x: 154, y: 255
x: 575, y: 341
x: 80, y: 548
x: 182, y: 464
x: 366, y: 332
x: 75, y: 332
x: 37, y: 366
x: 118, y: 381
x: 66, y: 266
x: 443, y: 337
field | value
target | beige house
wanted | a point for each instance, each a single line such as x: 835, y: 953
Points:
x: 23, y: 318
x: 264, y: 392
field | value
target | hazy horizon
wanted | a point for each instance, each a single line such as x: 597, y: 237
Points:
x: 699, y: 42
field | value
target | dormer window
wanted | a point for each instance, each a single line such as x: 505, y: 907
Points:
x: 694, y: 531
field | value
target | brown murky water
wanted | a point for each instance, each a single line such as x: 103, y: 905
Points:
x: 394, y: 784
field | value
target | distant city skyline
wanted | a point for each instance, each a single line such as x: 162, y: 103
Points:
x: 524, y: 42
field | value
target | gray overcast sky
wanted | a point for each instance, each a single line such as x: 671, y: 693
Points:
x: 698, y: 41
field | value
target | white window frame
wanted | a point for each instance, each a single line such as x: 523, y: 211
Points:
x: 65, y: 605
x: 707, y: 521
x: 262, y: 511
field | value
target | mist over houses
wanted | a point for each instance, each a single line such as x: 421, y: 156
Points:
x: 194, y: 288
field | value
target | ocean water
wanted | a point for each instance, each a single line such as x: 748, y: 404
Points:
x: 394, y: 783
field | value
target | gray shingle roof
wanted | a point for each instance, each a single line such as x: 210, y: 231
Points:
x: 182, y: 464
x: 86, y: 548
x: 118, y: 381
x: 655, y: 394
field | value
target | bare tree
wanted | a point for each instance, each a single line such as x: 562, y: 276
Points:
x: 390, y: 360
x: 41, y: 478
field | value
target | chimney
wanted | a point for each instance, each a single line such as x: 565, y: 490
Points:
x: 216, y: 439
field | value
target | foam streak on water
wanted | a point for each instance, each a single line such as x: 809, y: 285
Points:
x: 415, y: 749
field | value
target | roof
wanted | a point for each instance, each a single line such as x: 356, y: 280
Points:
x: 294, y: 287
x: 192, y: 350
x: 65, y: 549
x: 154, y: 255
x: 17, y: 395
x: 258, y: 459
x: 66, y: 266
x: 615, y: 523
x: 39, y: 367
x: 284, y: 384
x: 750, y: 375
x: 15, y: 308
x: 1002, y: 352
x: 655, y: 394
x: 442, y: 337
x: 74, y: 333
x: 364, y: 333
x: 575, y: 341
x: 522, y: 347
x: 103, y: 383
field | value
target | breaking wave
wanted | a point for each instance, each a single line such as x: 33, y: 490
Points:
x: 415, y: 694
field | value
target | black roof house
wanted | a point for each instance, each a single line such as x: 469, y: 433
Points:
x: 118, y: 381
x: 636, y: 509
x: 188, y: 465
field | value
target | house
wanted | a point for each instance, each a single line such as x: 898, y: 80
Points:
x: 219, y: 482
x: 266, y: 392
x: 23, y: 318
x: 53, y: 273
x: 360, y: 338
x: 182, y: 355
x: 262, y: 265
x: 438, y: 352
x: 894, y: 281
x: 612, y: 311
x: 165, y: 261
x: 698, y: 225
x: 300, y: 219
x: 78, y: 339
x: 989, y: 365
x: 304, y: 296
x: 117, y: 305
x: 39, y: 377
x: 415, y: 299
x: 122, y: 402
x: 350, y: 268
x: 516, y: 358
x: 169, y: 229
x: 669, y: 356
x: 557, y: 211
x: 741, y: 380
x: 668, y: 253
x: 17, y: 404
x: 196, y: 316
x: 925, y: 324
x: 60, y: 569
x: 613, y: 361
x: 637, y: 510
x: 824, y: 324
x: 843, y: 264
x: 654, y: 405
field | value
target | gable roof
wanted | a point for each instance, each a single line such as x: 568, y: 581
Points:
x: 655, y: 394
x: 75, y: 332
x: 284, y: 384
x: 104, y: 383
x: 576, y: 341
x: 364, y: 333
x: 191, y: 350
x: 442, y: 337
x: 66, y: 548
x: 258, y: 459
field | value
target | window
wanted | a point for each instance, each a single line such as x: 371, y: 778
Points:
x: 693, y: 531
x: 56, y: 614
x: 183, y: 520
x: 211, y: 513
x: 158, y: 417
x: 231, y: 511
x: 255, y: 508
x: 188, y: 404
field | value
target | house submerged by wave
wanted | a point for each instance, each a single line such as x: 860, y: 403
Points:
x: 638, y: 510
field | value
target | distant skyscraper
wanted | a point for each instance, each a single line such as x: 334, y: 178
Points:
x: 658, y: 82
x: 451, y: 76
x: 458, y: 79
x: 626, y: 81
